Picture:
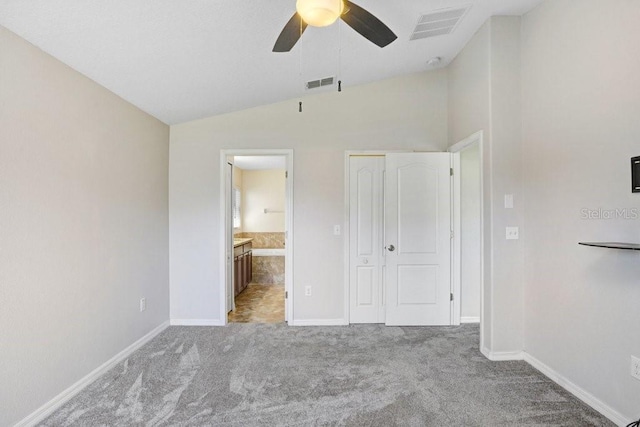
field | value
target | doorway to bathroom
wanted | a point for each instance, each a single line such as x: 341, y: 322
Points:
x: 257, y: 202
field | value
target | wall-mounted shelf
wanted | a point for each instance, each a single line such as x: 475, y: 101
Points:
x: 613, y: 245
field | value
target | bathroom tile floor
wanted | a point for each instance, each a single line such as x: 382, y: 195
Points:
x: 259, y: 303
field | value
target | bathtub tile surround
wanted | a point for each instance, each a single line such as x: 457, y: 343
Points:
x: 268, y: 270
x: 271, y: 240
x: 237, y: 240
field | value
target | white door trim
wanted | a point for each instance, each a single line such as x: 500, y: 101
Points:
x: 288, y: 219
x: 456, y: 283
x: 456, y: 149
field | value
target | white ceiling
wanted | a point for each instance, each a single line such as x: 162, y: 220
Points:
x: 260, y: 162
x: 184, y: 60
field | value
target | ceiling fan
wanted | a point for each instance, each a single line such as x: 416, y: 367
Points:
x: 320, y: 13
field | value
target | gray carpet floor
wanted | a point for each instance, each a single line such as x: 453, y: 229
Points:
x: 364, y: 375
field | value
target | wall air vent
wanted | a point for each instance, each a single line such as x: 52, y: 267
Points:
x: 438, y: 23
x: 314, y: 84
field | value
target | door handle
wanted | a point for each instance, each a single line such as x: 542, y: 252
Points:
x: 391, y: 248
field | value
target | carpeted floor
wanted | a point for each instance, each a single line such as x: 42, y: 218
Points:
x: 365, y: 375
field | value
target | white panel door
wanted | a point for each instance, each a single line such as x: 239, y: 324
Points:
x: 418, y: 239
x: 366, y: 184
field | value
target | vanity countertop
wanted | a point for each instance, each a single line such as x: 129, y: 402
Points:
x: 239, y: 241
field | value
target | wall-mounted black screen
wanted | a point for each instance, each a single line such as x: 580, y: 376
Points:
x: 635, y: 174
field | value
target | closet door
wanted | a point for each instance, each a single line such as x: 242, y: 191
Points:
x: 418, y: 239
x: 366, y: 269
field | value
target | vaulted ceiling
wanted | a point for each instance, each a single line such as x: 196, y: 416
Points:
x: 184, y: 60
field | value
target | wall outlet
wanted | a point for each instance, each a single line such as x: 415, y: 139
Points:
x: 635, y: 367
x: 307, y: 291
x: 143, y: 304
x: 513, y: 233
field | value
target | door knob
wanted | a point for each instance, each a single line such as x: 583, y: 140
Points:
x: 391, y: 248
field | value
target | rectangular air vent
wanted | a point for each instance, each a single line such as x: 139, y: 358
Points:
x: 314, y: 84
x: 438, y: 23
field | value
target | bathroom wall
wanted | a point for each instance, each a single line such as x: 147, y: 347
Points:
x: 263, y: 189
x: 237, y: 182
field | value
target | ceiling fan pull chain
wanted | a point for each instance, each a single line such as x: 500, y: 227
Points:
x: 339, y: 56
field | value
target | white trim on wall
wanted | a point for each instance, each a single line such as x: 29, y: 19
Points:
x: 320, y: 322
x: 456, y: 250
x: 288, y: 274
x: 469, y: 319
x: 501, y: 356
x: 197, y: 322
x: 51, y: 406
x: 562, y: 381
x: 577, y: 391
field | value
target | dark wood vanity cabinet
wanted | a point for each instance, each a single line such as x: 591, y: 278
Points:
x: 242, y: 267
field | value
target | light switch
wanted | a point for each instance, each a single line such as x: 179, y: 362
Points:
x: 508, y: 201
x: 336, y: 230
x: 513, y: 233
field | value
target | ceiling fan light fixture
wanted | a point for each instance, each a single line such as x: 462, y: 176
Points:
x: 320, y: 13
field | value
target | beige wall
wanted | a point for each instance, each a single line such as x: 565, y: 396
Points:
x: 506, y: 178
x: 83, y: 226
x: 469, y: 112
x: 470, y: 232
x: 484, y: 88
x: 83, y: 205
x: 403, y: 113
x: 263, y: 189
x: 581, y: 104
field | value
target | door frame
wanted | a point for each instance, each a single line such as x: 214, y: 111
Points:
x: 226, y: 244
x: 474, y: 139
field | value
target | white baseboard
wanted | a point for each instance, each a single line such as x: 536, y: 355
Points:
x: 197, y: 322
x: 577, y: 391
x: 319, y: 322
x: 470, y: 319
x: 48, y: 408
x: 501, y: 356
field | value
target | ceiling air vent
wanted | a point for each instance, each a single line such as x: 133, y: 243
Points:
x: 438, y: 23
x: 314, y: 84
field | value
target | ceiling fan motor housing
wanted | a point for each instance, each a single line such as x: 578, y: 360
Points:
x: 320, y: 13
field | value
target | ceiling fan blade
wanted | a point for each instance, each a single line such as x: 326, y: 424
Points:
x: 367, y: 25
x: 290, y: 34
